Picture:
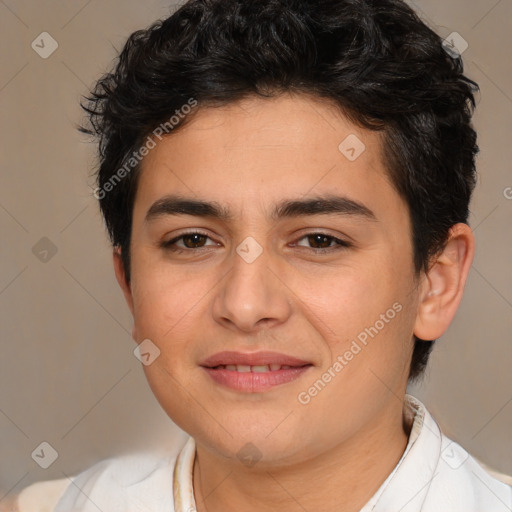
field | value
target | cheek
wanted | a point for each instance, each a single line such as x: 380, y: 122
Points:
x: 364, y: 316
x: 350, y: 299
x: 163, y: 297
x: 172, y: 308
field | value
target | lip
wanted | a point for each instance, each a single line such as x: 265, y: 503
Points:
x: 252, y: 359
x: 254, y: 382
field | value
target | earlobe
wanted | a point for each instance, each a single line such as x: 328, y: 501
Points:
x: 443, y: 285
x: 121, y: 277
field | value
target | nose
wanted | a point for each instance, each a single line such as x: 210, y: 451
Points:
x: 252, y: 296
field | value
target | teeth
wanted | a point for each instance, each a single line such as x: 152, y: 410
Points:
x: 260, y: 369
x: 243, y: 368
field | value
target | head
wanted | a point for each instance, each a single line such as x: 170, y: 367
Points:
x: 245, y: 105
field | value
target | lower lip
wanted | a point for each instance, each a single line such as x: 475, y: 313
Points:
x: 255, y: 382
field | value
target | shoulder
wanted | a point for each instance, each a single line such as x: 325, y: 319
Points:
x: 137, y: 481
x: 437, y: 474
x: 463, y: 483
x: 38, y: 497
x: 458, y: 482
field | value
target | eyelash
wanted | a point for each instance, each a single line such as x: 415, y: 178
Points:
x: 342, y: 244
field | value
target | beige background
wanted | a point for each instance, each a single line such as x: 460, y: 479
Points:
x: 68, y: 375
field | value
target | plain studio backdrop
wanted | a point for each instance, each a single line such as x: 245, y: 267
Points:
x: 68, y: 376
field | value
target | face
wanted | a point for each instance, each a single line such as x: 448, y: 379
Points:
x: 284, y: 309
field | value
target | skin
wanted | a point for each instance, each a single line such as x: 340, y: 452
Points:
x: 334, y: 452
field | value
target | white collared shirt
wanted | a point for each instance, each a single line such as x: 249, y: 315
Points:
x: 434, y: 474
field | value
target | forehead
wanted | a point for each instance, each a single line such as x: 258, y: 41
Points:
x: 254, y: 152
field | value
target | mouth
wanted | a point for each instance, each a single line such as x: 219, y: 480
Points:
x: 245, y: 368
x: 254, y: 373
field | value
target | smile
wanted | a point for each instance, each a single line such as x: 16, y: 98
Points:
x: 254, y: 372
x: 243, y: 368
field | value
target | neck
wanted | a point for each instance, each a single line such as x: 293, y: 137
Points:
x: 342, y: 478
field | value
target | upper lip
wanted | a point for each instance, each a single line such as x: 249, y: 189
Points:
x: 252, y: 359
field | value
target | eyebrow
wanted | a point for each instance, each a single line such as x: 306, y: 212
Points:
x: 320, y: 205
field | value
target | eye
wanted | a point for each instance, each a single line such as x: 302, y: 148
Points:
x: 325, y: 242
x: 192, y: 240
x: 319, y: 242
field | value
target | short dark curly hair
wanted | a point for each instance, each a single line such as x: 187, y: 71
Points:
x: 385, y: 69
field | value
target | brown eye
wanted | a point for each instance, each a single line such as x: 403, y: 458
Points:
x: 191, y: 241
x: 322, y: 242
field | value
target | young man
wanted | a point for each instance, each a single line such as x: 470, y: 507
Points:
x: 286, y: 186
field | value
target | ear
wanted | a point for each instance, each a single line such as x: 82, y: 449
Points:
x: 121, y: 277
x: 442, y: 286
